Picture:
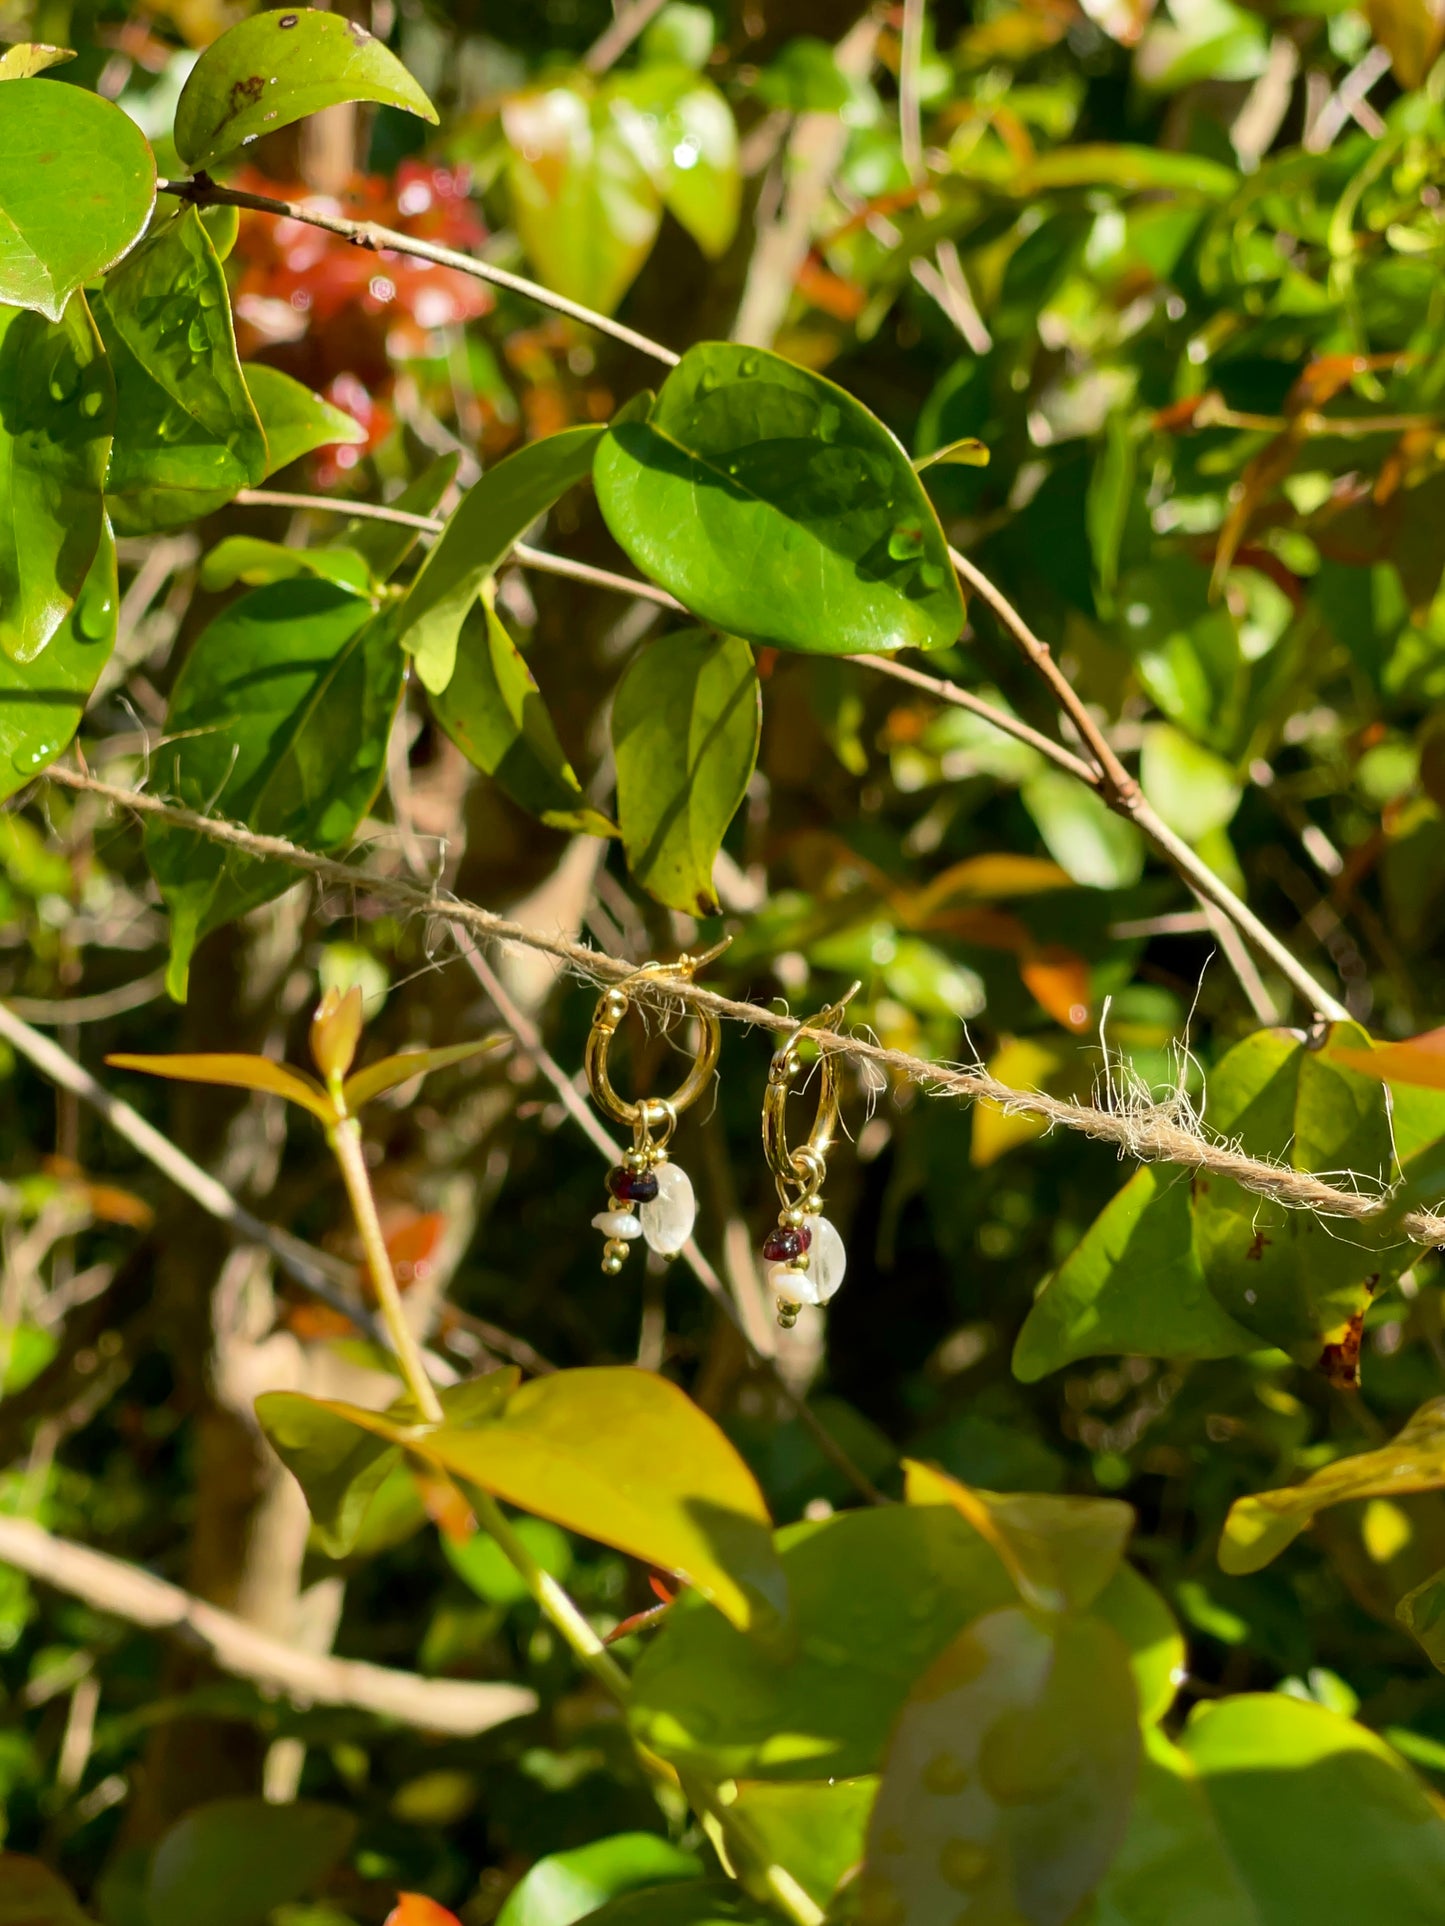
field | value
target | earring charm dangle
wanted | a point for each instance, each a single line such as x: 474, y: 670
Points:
x: 805, y: 1256
x: 649, y: 1197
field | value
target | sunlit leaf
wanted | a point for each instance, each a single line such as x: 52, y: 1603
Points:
x: 815, y: 1830
x: 1058, y: 979
x: 296, y: 421
x: 685, y: 726
x: 703, y: 1902
x: 278, y: 67
x: 29, y: 57
x: 1009, y: 1778
x: 364, y: 1086
x: 1194, y: 790
x: 493, y: 711
x: 745, y: 455
x: 968, y: 452
x: 566, y: 1886
x: 1419, y: 1060
x: 236, y: 1073
x: 1060, y: 1552
x: 42, y: 701
x: 1082, y: 834
x: 54, y: 443
x: 491, y: 517
x: 245, y: 558
x: 77, y: 185
x: 415, y: 1909
x: 1412, y: 32
x: 1023, y: 1063
x: 682, y: 131
x: 1261, y: 1525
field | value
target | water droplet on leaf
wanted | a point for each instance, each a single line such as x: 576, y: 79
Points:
x: 905, y: 543
x: 26, y: 760
x: 197, y: 336
x: 830, y: 420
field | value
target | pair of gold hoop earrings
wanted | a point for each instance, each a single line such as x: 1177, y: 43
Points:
x: 650, y: 1198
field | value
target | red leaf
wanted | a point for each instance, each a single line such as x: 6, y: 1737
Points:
x: 415, y: 1909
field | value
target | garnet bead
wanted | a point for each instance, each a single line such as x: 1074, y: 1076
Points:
x: 785, y: 1243
x: 632, y: 1186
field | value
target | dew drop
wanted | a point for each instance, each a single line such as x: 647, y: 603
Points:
x: 25, y: 760
x: 172, y: 425
x: 830, y: 420
x: 963, y: 1862
x: 905, y: 542
x: 208, y: 295
x: 94, y: 616
x: 197, y: 336
x: 749, y: 365
x: 945, y: 1774
x: 707, y: 381
x: 931, y: 575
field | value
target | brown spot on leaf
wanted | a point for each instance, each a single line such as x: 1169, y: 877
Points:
x: 1257, y: 1248
x: 288, y: 20
x: 1340, y: 1362
x: 243, y: 92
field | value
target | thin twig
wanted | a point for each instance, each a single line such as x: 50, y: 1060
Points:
x: 1151, y: 1137
x: 98, y: 1008
x: 202, y: 191
x: 111, y: 1585
x: 610, y: 45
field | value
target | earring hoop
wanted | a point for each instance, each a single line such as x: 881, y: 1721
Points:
x: 805, y: 1254
x: 648, y: 1196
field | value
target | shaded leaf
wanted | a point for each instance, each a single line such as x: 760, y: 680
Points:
x: 877, y: 1595
x: 32, y: 1895
x: 688, y: 1903
x: 55, y: 424
x: 1009, y: 1778
x: 815, y: 1830
x: 1422, y: 1612
x: 77, y: 185
x: 567, y: 1886
x: 1059, y: 1552
x: 366, y: 1085
x: 491, y: 517
x: 236, y: 1073
x: 1259, y: 1527
x: 296, y: 420
x: 278, y: 67
x: 685, y: 726
x: 278, y: 719
x: 746, y: 455
x: 246, y: 558
x: 42, y: 701
x: 386, y: 545
x: 28, y: 57
x: 493, y: 711
x: 228, y: 1863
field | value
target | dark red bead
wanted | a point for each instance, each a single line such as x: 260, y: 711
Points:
x: 785, y: 1243
x: 632, y: 1186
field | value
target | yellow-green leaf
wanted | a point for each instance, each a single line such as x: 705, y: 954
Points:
x: 378, y: 1078
x: 236, y: 1072
x: 29, y: 57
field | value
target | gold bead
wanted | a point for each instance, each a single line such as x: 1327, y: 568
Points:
x: 787, y: 1313
x: 611, y: 1265
x: 812, y: 1204
x: 792, y: 1217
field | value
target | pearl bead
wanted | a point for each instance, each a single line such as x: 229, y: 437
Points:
x: 799, y: 1286
x: 618, y: 1223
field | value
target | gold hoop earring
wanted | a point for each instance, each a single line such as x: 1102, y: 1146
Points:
x: 648, y: 1196
x: 805, y: 1256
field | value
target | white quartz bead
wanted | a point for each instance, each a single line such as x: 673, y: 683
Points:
x: 798, y: 1287
x: 618, y: 1223
x: 667, y: 1219
x: 827, y: 1259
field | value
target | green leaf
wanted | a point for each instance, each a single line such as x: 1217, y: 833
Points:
x: 566, y: 1886
x: 685, y: 726
x: 1130, y: 1606
x: 483, y: 528
x: 1322, y: 1819
x: 683, y: 133
x: 1259, y: 1527
x: 1194, y: 790
x: 1132, y: 1286
x: 77, y: 185
x: 1172, y: 1869
x: 278, y: 67
x: 29, y: 57
x: 776, y: 507
x: 1059, y: 1552
x: 690, y: 1903
x: 340, y: 1467
x: 278, y: 719
x: 1082, y: 834
x: 682, y: 35
x: 54, y: 443
x: 42, y: 701
x: 494, y: 712
x: 386, y: 545
x: 1422, y: 1612
x: 1009, y: 1777
x: 584, y: 206
x: 1288, y: 1275
x: 877, y: 1595
x: 295, y: 420
x: 228, y: 1863
x: 815, y: 1830
x: 622, y: 1456
x: 245, y: 558
x: 187, y: 431
x: 968, y: 452
x: 373, y: 1082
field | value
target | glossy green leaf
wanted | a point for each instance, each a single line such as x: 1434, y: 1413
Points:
x: 1059, y: 1552
x: 1009, y: 1778
x: 42, y: 701
x: 340, y: 1466
x: 1194, y: 790
x: 877, y: 1595
x: 491, y: 517
x: 77, y: 185
x: 682, y: 130
x: 1172, y: 1868
x: 29, y: 57
x: 1131, y: 1607
x: 278, y: 67
x: 493, y: 711
x: 1082, y: 834
x: 685, y: 726
x: 1260, y: 1526
x: 1285, y: 1274
x: 567, y: 1886
x: 54, y: 443
x: 187, y: 431
x: 296, y: 421
x: 815, y: 1830
x: 235, y: 1072
x: 245, y: 558
x: 625, y: 1457
x: 228, y: 1863
x: 1132, y: 1285
x: 278, y: 719
x: 745, y: 457
x: 687, y: 1903
x: 585, y: 207
x: 365, y: 1086
x: 1324, y: 1821
x: 386, y: 545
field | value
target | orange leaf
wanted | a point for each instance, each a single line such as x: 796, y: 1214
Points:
x: 993, y: 875
x: 238, y: 1073
x: 1324, y: 377
x: 415, y: 1909
x: 412, y: 1245
x: 1419, y: 1060
x: 1058, y: 980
